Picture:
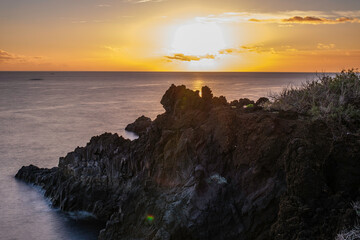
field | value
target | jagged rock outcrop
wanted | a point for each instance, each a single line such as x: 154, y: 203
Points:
x: 140, y: 125
x: 204, y: 170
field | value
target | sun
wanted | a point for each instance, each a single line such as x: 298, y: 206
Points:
x: 198, y: 39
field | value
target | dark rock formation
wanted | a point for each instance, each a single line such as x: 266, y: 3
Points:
x: 261, y: 101
x: 206, y: 94
x: 242, y: 103
x: 204, y: 170
x: 139, y: 126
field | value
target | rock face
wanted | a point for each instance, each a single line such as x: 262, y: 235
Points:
x: 205, y: 170
x: 140, y: 125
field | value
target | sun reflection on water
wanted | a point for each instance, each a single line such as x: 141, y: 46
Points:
x: 197, y: 84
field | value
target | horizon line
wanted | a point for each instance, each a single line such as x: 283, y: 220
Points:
x: 105, y: 71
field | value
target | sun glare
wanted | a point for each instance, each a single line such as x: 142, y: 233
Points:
x: 198, y: 39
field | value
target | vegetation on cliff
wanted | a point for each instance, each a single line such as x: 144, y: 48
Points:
x: 354, y: 232
x: 335, y: 100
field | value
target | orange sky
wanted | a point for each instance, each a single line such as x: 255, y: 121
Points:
x: 174, y: 35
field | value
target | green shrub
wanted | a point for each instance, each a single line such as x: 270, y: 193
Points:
x: 336, y: 100
x: 249, y: 105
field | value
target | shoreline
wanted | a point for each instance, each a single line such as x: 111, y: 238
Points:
x: 185, y: 166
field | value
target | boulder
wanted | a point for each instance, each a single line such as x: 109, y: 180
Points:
x: 140, y: 125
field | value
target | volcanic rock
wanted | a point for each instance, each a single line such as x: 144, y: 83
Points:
x: 139, y: 126
x: 204, y: 171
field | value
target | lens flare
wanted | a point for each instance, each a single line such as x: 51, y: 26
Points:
x: 150, y: 218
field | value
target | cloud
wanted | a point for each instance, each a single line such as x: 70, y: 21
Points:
x: 353, y: 14
x: 80, y: 21
x: 254, y: 48
x: 113, y: 49
x: 285, y: 18
x: 142, y: 1
x: 88, y: 21
x: 228, y: 51
x: 103, y: 5
x: 229, y: 17
x: 189, y: 58
x: 242, y: 49
x: 6, y: 57
x: 298, y: 19
x: 317, y: 20
x: 325, y: 46
x: 258, y: 48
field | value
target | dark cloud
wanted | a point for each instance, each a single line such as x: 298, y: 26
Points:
x: 310, y: 20
x: 348, y: 19
x: 298, y: 19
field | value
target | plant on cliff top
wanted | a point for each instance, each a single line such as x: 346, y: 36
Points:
x: 356, y: 207
x: 336, y: 100
x: 249, y: 105
x: 354, y: 233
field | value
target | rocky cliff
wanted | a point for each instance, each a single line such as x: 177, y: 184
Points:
x: 207, y: 169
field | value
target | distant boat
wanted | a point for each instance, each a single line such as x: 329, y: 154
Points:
x: 36, y: 79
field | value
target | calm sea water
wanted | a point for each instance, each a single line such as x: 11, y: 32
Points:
x: 41, y: 120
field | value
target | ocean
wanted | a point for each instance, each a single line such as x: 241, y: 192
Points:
x: 45, y: 115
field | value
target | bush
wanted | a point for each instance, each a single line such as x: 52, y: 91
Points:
x: 336, y: 100
x: 353, y: 233
x: 249, y: 105
x: 356, y: 207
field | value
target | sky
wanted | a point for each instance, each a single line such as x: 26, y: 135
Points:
x: 179, y: 35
